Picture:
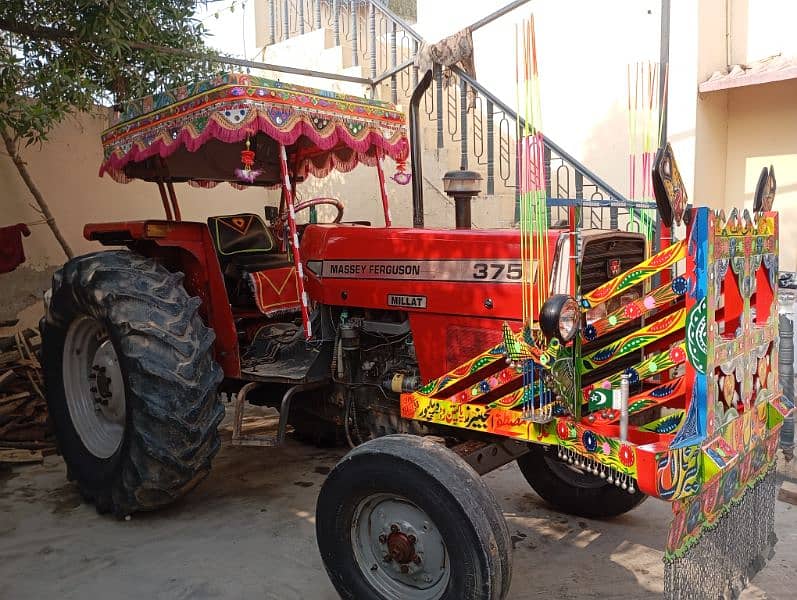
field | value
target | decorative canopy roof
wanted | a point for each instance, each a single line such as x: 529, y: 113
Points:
x: 196, y: 133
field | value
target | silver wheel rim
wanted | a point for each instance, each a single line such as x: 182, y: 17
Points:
x: 399, y: 550
x: 94, y: 388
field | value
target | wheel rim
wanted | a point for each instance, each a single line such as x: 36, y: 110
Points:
x: 573, y: 475
x: 399, y: 550
x: 94, y: 387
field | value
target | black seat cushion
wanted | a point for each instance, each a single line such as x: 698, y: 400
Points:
x: 244, y: 233
x: 244, y: 242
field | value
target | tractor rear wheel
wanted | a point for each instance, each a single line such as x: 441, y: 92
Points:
x: 404, y: 518
x: 571, y: 490
x: 130, y: 380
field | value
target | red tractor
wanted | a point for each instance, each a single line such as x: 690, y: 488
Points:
x: 328, y: 322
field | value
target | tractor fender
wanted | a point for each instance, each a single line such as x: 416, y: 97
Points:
x: 187, y: 247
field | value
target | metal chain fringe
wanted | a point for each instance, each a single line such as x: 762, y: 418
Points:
x: 729, y: 554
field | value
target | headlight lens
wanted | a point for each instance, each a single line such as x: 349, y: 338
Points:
x: 560, y: 317
x: 569, y: 320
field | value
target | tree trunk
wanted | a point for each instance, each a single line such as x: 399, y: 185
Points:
x: 13, y: 152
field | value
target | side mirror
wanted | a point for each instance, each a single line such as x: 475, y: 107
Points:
x: 668, y: 187
x: 765, y: 190
x: 271, y: 213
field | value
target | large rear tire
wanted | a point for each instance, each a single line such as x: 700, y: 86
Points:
x: 571, y: 490
x: 404, y: 518
x: 130, y: 381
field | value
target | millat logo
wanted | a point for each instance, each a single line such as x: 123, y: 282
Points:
x: 613, y: 266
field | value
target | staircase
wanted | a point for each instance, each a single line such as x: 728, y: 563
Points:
x: 371, y: 49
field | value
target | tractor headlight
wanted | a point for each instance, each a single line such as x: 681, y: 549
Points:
x: 560, y: 317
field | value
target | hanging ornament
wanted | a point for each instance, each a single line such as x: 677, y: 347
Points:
x: 247, y: 174
x: 401, y: 177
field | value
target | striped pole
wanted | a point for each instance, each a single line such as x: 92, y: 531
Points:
x: 294, y: 240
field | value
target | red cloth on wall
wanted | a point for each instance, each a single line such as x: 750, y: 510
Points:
x: 12, y: 254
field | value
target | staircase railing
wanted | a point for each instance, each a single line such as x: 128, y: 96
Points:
x: 463, y: 114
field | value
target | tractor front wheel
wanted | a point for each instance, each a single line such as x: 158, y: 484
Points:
x: 570, y: 489
x: 404, y: 518
x: 130, y: 381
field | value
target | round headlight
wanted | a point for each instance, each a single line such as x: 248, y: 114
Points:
x: 560, y: 317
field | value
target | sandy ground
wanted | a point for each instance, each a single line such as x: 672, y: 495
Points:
x: 248, y: 532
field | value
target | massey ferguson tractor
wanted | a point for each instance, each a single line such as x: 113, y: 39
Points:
x: 609, y: 372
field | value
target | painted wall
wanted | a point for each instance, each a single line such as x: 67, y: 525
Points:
x: 761, y: 28
x: 762, y: 130
x: 584, y: 48
x: 65, y: 170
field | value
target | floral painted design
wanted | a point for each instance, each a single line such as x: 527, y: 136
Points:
x: 627, y: 456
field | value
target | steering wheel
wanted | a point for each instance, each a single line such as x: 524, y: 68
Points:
x: 279, y: 225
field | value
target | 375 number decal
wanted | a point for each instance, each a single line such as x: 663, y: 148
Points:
x: 497, y: 271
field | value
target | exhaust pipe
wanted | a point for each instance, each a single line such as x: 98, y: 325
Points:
x: 415, y: 150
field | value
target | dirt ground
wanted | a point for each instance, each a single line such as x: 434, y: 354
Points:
x: 21, y: 288
x: 248, y: 532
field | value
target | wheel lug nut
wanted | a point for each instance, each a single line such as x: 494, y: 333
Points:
x: 382, y: 538
x: 411, y: 538
x: 405, y: 569
x: 417, y: 560
x: 394, y: 528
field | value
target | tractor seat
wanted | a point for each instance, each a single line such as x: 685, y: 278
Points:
x: 244, y: 243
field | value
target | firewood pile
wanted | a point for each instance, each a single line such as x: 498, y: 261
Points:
x: 24, y: 431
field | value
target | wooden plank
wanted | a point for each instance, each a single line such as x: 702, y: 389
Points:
x: 8, y: 358
x: 12, y: 397
x: 6, y: 378
x: 21, y: 456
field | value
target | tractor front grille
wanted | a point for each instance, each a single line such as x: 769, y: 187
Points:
x: 628, y: 248
x: 599, y: 250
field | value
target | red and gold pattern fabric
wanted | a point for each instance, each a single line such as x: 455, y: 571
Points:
x: 276, y: 291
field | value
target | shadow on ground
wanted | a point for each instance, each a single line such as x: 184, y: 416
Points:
x: 248, y: 532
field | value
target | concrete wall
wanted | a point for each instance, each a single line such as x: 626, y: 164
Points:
x: 584, y: 48
x: 761, y: 28
x: 65, y: 170
x: 762, y: 130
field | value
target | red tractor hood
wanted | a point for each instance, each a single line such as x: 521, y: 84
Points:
x: 457, y: 286
x: 455, y: 272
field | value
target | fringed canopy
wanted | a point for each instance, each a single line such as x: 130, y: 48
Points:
x: 196, y: 133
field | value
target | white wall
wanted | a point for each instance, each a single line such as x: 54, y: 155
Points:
x: 762, y: 28
x: 65, y: 170
x: 584, y: 48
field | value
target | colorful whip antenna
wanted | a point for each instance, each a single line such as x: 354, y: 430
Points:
x: 534, y: 248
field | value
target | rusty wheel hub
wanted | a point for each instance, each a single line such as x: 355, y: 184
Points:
x: 399, y: 549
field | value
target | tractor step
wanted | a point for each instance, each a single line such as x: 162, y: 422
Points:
x: 269, y: 359
x: 241, y: 438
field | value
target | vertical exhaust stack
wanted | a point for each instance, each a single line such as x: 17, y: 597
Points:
x: 415, y: 150
x: 462, y: 186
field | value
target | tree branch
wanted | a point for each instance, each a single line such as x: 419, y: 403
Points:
x: 13, y: 152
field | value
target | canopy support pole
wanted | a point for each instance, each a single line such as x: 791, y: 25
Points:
x: 385, y: 203
x: 173, y: 196
x: 294, y: 240
x: 165, y: 200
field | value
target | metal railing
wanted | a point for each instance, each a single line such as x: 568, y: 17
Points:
x: 463, y: 115
x: 370, y: 36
